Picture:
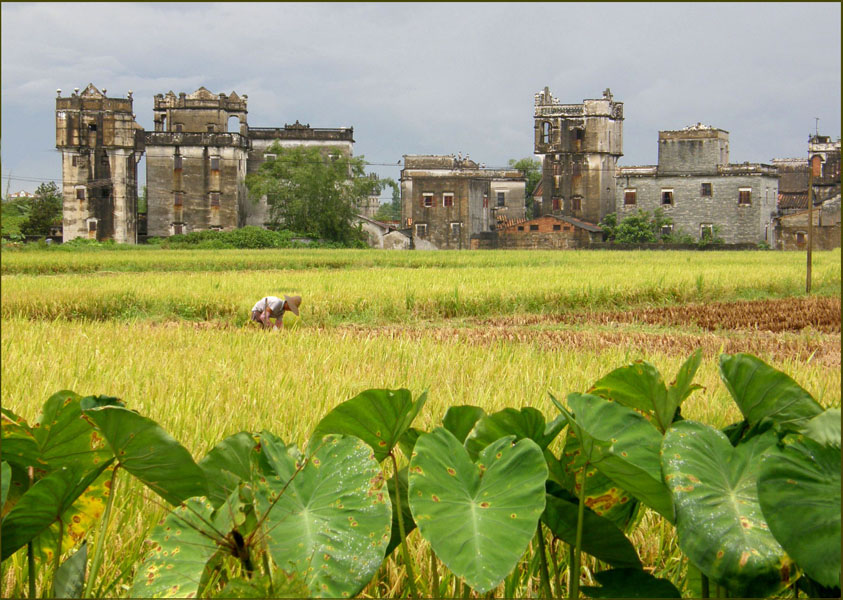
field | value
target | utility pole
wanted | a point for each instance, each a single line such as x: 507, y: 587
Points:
x: 810, y: 219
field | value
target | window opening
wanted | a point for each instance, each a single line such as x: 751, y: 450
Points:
x: 447, y: 199
x: 427, y: 200
x: 215, y: 163
x: 576, y: 203
x: 705, y: 190
x: 534, y: 227
x: 667, y: 197
x: 421, y: 229
x: 501, y: 199
x: 745, y: 196
x: 630, y: 197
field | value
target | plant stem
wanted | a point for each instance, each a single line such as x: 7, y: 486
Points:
x: 100, y: 548
x: 704, y: 585
x: 556, y: 577
x: 574, y: 587
x: 30, y: 553
x: 545, y: 576
x: 404, y: 552
x: 57, y: 559
x: 434, y: 575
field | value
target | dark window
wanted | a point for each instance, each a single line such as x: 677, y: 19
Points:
x: 178, y: 199
x: 177, y: 228
x: 576, y: 203
x: 557, y: 228
x: 520, y: 228
x: 534, y: 227
x: 447, y: 199
x: 211, y: 129
x: 800, y: 238
x: 215, y: 198
x: 421, y: 229
x: 705, y: 189
x: 630, y: 197
x: 92, y: 127
x: 557, y: 204
x: 427, y: 200
x: 215, y: 163
x: 501, y: 199
x: 80, y: 193
x: 92, y: 226
x: 580, y: 135
x: 744, y: 196
x: 178, y: 127
x: 667, y: 229
x: 667, y: 197
x: 557, y: 169
x: 75, y: 161
x: 177, y: 162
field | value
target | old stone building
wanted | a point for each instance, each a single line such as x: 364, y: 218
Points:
x: 580, y: 145
x: 700, y: 191
x: 549, y: 232
x: 448, y: 199
x: 100, y: 145
x: 198, y: 157
x: 200, y: 153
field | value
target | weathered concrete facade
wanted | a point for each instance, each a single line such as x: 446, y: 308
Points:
x: 698, y: 189
x: 100, y: 144
x: 580, y: 145
x: 792, y: 229
x: 446, y: 199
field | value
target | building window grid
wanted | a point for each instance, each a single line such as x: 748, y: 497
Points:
x: 447, y: 199
x: 667, y: 197
x: 630, y: 197
x: 501, y: 199
x: 427, y: 200
x: 745, y: 196
x: 705, y: 190
x: 576, y: 203
x: 421, y: 230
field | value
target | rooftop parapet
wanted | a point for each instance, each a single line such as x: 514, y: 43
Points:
x: 201, y: 98
x: 93, y: 99
x: 297, y: 131
x: 168, y: 138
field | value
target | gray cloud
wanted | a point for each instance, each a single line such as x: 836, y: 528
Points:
x: 416, y: 78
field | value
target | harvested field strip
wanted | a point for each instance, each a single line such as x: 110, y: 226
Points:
x: 784, y: 314
x: 822, y: 350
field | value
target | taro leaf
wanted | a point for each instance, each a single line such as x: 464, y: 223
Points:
x: 630, y: 583
x: 478, y: 518
x: 460, y: 419
x: 679, y: 389
x: 64, y: 438
x: 763, y: 393
x: 330, y: 521
x: 19, y: 446
x: 182, y: 544
x: 75, y: 523
x: 824, y: 428
x: 276, y: 453
x: 42, y: 505
x: 639, y: 385
x: 527, y: 423
x: 628, y: 449
x: 5, y: 482
x: 70, y: 576
x: 228, y: 463
x: 148, y: 452
x: 409, y: 523
x: 378, y: 417
x: 408, y: 440
x: 718, y: 518
x: 282, y: 585
x: 799, y: 491
x: 600, y: 537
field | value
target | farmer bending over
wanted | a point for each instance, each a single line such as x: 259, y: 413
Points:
x: 271, y: 307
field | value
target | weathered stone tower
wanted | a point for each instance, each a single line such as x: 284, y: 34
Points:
x: 196, y: 163
x: 580, y: 145
x: 101, y: 145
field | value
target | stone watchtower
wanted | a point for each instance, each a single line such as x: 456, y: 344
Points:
x: 196, y: 163
x: 101, y: 145
x: 580, y: 145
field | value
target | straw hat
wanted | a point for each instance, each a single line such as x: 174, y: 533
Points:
x: 293, y: 303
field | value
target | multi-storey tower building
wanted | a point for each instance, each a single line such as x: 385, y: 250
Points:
x: 101, y: 144
x: 196, y: 163
x: 580, y: 145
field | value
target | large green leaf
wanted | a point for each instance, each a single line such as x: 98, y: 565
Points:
x: 19, y: 446
x: 233, y: 460
x: 763, y: 393
x: 824, y: 428
x: 630, y: 583
x: 42, y: 505
x: 64, y: 438
x: 479, y: 518
x: 600, y: 537
x: 378, y: 417
x: 799, y: 491
x: 182, y: 544
x: 406, y: 514
x: 145, y: 450
x: 679, y: 389
x: 460, y: 419
x: 70, y: 576
x: 718, y: 518
x: 639, y: 385
x: 330, y: 520
x: 5, y: 482
x: 628, y: 449
x: 527, y: 423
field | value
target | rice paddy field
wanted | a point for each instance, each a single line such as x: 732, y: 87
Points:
x: 167, y: 331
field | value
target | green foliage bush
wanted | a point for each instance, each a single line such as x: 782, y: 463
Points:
x: 250, y: 237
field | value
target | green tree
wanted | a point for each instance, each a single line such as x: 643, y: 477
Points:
x: 532, y: 170
x: 391, y: 211
x: 45, y: 210
x: 313, y: 191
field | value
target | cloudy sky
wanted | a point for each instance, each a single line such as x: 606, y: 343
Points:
x: 433, y: 78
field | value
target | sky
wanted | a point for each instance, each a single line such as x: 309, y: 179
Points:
x: 432, y: 78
